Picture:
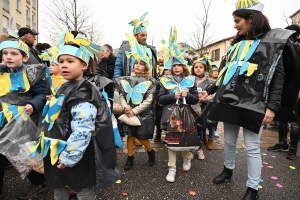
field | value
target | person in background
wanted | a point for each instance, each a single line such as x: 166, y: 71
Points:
x: 107, y: 62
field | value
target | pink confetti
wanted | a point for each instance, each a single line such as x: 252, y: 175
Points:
x: 265, y: 163
x: 274, y: 178
x: 273, y: 156
x: 270, y: 167
x: 278, y: 185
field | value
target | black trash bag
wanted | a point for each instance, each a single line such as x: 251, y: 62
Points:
x: 181, y: 131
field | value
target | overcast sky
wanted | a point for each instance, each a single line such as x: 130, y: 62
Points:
x: 113, y: 17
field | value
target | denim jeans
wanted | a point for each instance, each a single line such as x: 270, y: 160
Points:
x: 84, y: 194
x: 200, y: 134
x: 252, y: 149
x: 211, y: 130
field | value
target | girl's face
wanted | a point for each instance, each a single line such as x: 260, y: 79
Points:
x: 71, y: 68
x: 139, y: 68
x: 13, y: 58
x: 242, y: 25
x: 54, y: 69
x: 199, y: 69
x: 177, y: 70
x: 215, y: 73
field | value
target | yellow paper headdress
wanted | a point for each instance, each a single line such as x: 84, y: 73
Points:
x: 249, y: 4
x: 140, y: 25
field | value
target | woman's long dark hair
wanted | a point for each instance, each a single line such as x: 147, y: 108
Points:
x: 260, y: 24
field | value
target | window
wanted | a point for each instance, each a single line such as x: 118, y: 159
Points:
x: 34, y: 4
x: 215, y: 54
x: 27, y: 17
x: 33, y: 21
x: 5, y: 5
x: 18, y: 26
x: 19, y: 5
x: 5, y: 22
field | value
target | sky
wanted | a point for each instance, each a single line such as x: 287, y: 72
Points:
x: 113, y: 16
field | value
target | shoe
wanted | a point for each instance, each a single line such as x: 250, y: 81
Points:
x: 291, y: 154
x: 279, y: 147
x: 251, y: 194
x: 225, y: 175
x: 129, y: 163
x: 32, y: 191
x: 210, y: 145
x: 151, y: 156
x: 171, y: 175
x: 217, y: 134
x: 200, y: 154
x: 186, y: 165
x: 137, y: 142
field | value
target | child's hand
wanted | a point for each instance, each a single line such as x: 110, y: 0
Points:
x: 130, y: 114
x: 202, y: 95
x: 60, y: 165
x: 48, y: 97
x: 177, y: 95
x: 184, y: 93
x: 28, y: 109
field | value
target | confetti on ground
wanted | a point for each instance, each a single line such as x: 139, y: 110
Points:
x: 124, y: 193
x: 193, y: 193
x: 261, y: 180
x: 274, y: 178
x: 265, y: 163
x: 118, y: 181
x: 270, y: 167
x: 278, y: 185
x: 273, y: 156
x: 259, y: 186
x: 264, y: 154
x: 292, y: 167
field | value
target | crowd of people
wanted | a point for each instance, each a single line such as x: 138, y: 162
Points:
x: 71, y: 97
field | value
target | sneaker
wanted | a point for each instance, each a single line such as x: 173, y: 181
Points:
x: 291, y: 154
x: 186, y: 165
x: 32, y: 191
x: 279, y: 147
x: 171, y: 175
x: 200, y: 154
x: 217, y: 134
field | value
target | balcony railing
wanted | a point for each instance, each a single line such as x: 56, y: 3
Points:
x: 28, y: 20
x: 34, y: 4
x: 33, y: 25
x: 28, y: 1
x: 6, y: 5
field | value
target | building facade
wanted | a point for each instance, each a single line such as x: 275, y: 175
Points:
x: 296, y: 18
x: 24, y: 13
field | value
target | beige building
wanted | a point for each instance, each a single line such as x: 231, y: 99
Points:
x: 296, y: 18
x: 24, y: 12
x: 217, y: 49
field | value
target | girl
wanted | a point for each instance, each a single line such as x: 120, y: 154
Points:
x: 21, y: 88
x: 140, y: 109
x: 81, y: 126
x: 57, y: 78
x: 250, y: 87
x: 179, y: 70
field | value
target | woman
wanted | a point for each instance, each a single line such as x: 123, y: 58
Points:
x: 249, y: 88
x: 107, y: 63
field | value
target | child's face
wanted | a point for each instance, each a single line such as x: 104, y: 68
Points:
x: 215, y: 73
x: 167, y: 72
x: 139, y: 68
x: 199, y: 69
x: 54, y: 69
x: 13, y: 58
x: 177, y: 70
x: 71, y: 68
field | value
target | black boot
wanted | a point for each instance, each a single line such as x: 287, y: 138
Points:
x: 151, y: 156
x: 251, y: 194
x: 225, y: 175
x: 129, y: 163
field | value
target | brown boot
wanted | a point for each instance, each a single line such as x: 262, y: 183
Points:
x: 204, y: 139
x: 137, y: 142
x: 210, y: 145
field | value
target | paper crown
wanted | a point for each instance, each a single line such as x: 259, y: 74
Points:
x: 174, y: 54
x: 50, y: 55
x: 85, y: 50
x: 17, y: 44
x: 249, y: 4
x: 138, y: 51
x: 139, y: 24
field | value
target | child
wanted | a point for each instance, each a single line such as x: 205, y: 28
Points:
x: 81, y: 127
x: 57, y: 78
x: 136, y: 96
x: 21, y: 88
x: 199, y: 69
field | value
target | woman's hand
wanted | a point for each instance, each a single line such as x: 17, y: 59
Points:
x: 269, y: 116
x: 177, y: 95
x: 28, y: 109
x: 202, y: 95
x: 184, y: 93
x: 60, y: 165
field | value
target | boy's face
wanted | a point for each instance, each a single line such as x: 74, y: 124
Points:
x: 71, y: 68
x: 54, y: 69
x: 13, y: 58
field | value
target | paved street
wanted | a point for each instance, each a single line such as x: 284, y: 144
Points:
x: 144, y: 182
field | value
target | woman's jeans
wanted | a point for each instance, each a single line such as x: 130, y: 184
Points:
x: 252, y: 149
x: 211, y: 130
x: 200, y: 134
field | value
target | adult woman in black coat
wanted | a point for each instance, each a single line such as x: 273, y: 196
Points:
x: 107, y: 63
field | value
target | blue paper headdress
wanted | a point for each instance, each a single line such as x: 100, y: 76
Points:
x: 50, y: 55
x: 174, y: 54
x: 140, y: 25
x: 85, y: 50
x: 249, y: 4
x: 207, y: 62
x: 17, y: 44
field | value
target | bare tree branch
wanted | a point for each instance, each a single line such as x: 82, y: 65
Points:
x: 285, y: 18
